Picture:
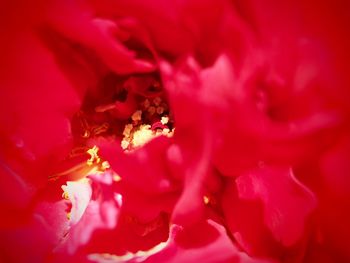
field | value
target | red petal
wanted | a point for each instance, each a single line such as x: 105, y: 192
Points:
x: 287, y: 204
x: 35, y: 108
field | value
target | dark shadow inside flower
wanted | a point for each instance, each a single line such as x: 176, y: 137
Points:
x: 127, y: 108
x: 88, y: 57
x: 80, y: 64
x: 144, y: 51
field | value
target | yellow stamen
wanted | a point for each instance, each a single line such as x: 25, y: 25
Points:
x: 116, y: 178
x: 136, y: 116
x: 206, y: 200
x: 105, y: 165
x: 86, y: 134
x: 65, y: 195
x: 127, y: 130
x: 164, y: 120
x: 125, y: 144
x: 142, y: 136
x: 93, y: 156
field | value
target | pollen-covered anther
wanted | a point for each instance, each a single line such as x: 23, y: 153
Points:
x: 148, y: 122
x: 164, y: 120
x: 125, y: 144
x: 210, y: 200
x: 86, y: 134
x: 94, y: 158
x: 65, y: 195
x: 137, y: 116
x: 206, y: 199
x: 167, y: 132
x: 105, y: 165
x: 142, y: 136
x: 116, y: 178
x: 127, y: 130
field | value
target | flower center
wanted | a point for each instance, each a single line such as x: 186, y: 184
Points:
x: 151, y: 120
x: 132, y: 110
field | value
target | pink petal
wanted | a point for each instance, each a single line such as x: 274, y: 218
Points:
x: 101, y: 213
x: 79, y: 194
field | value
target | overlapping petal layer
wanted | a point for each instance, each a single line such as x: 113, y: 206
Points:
x: 255, y: 96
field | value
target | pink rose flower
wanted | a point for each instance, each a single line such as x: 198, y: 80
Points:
x: 178, y: 131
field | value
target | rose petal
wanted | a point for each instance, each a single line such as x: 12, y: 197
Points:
x: 220, y: 249
x: 287, y: 204
x: 101, y: 213
x: 35, y: 108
